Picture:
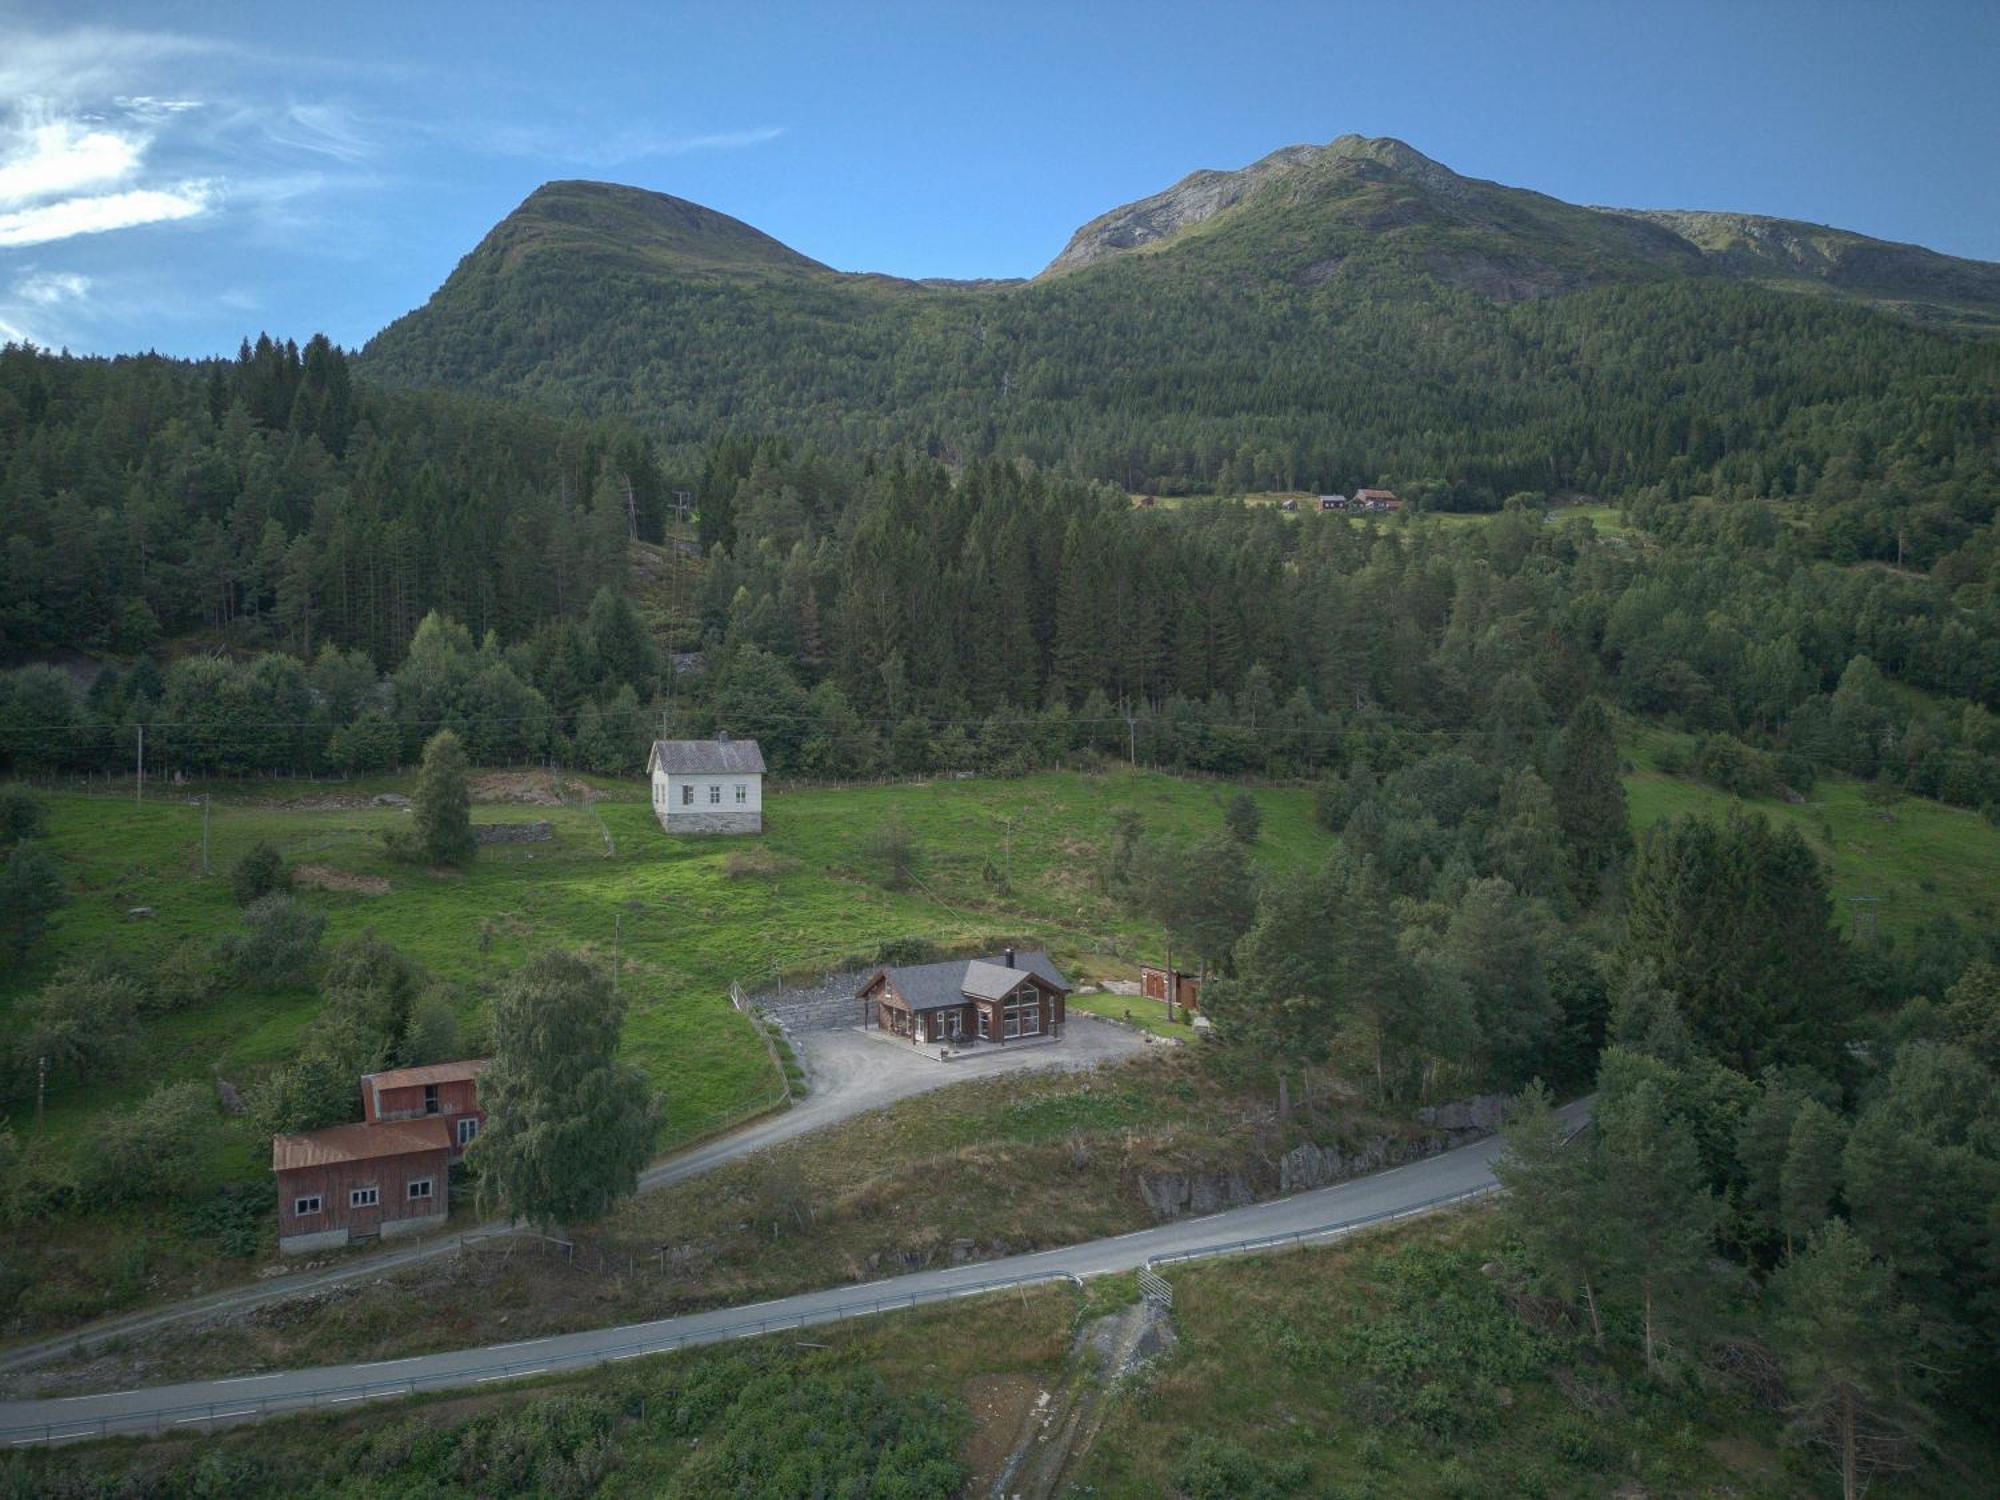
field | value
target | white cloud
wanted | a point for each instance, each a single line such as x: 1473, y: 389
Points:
x: 49, y: 288
x: 47, y: 157
x: 106, y: 211
x: 91, y: 60
x: 322, y: 129
x: 573, y: 145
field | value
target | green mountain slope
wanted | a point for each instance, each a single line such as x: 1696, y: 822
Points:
x: 1327, y: 316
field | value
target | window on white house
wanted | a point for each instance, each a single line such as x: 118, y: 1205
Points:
x: 714, y: 795
x: 742, y: 794
x: 366, y: 1197
x: 687, y: 794
x: 420, y: 1189
x: 305, y: 1208
x: 468, y: 1127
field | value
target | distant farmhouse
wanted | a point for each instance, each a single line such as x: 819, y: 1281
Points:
x: 390, y: 1175
x: 708, y: 786
x: 1376, y: 500
x: 1008, y: 997
x: 1333, y: 502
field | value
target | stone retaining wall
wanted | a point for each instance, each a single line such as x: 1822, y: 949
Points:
x: 678, y: 822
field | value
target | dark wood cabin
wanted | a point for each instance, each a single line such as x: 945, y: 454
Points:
x: 1008, y: 997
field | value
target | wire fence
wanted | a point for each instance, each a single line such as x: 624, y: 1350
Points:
x: 162, y: 1418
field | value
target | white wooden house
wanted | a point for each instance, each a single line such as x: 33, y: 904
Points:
x: 707, y: 786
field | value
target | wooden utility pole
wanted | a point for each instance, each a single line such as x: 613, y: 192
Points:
x: 617, y: 947
x: 41, y: 1089
x: 139, y: 790
x: 205, y: 800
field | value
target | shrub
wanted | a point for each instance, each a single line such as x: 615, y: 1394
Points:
x: 23, y: 814
x: 162, y: 1147
x: 259, y: 873
x: 31, y: 888
x: 433, y: 1033
x: 1243, y: 818
x: 85, y: 1023
x: 183, y: 979
x: 1213, y: 1469
x: 278, y: 944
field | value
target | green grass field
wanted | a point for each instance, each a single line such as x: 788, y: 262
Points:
x: 1000, y: 858
x: 1917, y: 859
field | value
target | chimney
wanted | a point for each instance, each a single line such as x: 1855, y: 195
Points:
x: 1008, y: 955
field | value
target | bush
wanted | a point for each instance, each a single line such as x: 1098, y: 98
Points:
x: 182, y: 980
x: 31, y: 888
x: 1243, y: 818
x: 1213, y: 1469
x: 162, y: 1147
x: 278, y: 944
x: 84, y: 1023
x: 23, y: 814
x: 257, y: 874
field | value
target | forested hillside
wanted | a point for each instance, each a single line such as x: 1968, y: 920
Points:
x: 273, y: 497
x: 1363, y: 315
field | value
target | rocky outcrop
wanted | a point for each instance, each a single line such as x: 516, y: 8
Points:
x: 1173, y: 1195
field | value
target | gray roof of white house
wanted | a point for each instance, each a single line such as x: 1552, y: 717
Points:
x: 935, y: 986
x: 723, y: 757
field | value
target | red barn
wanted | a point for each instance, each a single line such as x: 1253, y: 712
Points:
x: 356, y: 1182
x: 447, y: 1090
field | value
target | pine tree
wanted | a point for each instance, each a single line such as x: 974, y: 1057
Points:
x: 568, y: 1125
x: 1556, y: 1204
x: 1850, y: 1354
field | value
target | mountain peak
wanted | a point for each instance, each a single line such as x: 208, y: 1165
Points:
x: 643, y: 225
x: 1202, y: 195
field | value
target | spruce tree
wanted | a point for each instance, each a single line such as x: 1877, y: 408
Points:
x: 1590, y: 803
x: 1555, y: 1203
x: 1811, y: 1174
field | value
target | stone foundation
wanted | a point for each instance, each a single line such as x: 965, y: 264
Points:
x: 305, y: 1244
x: 678, y: 822
x: 396, y: 1229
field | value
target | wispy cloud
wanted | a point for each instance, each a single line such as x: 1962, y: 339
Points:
x: 576, y: 145
x: 319, y: 129
x: 104, y: 212
x: 51, y: 288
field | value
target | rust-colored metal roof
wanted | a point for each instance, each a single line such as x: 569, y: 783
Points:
x: 444, y: 1072
x: 338, y: 1143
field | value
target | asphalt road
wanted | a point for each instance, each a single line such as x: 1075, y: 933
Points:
x: 1324, y: 1213
x: 850, y: 1074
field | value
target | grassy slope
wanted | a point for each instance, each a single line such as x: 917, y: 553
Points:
x: 1918, y: 858
x: 685, y: 926
x: 1265, y: 1379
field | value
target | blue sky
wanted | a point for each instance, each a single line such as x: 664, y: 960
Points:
x: 175, y: 175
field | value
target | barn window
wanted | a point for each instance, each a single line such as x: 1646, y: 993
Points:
x: 687, y: 794
x: 420, y: 1189
x: 366, y: 1197
x: 468, y: 1127
x: 305, y: 1208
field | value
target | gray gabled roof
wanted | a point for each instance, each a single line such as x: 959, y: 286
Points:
x: 724, y: 757
x: 935, y: 986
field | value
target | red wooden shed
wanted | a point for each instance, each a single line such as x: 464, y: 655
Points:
x: 354, y: 1182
